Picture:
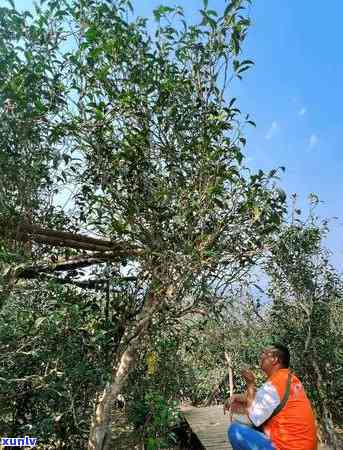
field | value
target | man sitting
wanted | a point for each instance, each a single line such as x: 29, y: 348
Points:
x: 280, y: 407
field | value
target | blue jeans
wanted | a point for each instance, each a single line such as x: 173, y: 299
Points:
x: 243, y: 437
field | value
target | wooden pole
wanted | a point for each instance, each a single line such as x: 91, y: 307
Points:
x: 229, y: 366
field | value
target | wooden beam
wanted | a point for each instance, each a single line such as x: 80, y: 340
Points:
x: 77, y: 262
x: 67, y: 239
x: 96, y: 285
x: 103, y: 250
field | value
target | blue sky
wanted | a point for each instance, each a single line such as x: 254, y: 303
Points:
x: 294, y: 94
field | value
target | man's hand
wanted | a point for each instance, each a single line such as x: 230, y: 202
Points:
x: 235, y: 404
x: 250, y: 380
x: 249, y: 377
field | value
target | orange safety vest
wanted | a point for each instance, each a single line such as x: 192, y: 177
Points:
x: 294, y: 427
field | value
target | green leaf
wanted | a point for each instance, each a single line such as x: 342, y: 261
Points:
x: 235, y: 43
x: 91, y: 34
x: 212, y: 12
x: 129, y: 4
x: 232, y: 101
x: 247, y: 61
x: 162, y: 11
x: 230, y: 7
x: 152, y: 444
x: 243, y: 69
x: 66, y: 158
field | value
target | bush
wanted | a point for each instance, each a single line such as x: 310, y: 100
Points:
x: 155, y: 417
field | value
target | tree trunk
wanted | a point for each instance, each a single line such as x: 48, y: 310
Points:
x: 100, y: 432
x: 326, y: 425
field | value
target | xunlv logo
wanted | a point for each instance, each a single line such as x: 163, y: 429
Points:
x: 18, y: 442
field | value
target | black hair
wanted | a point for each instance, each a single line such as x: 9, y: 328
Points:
x: 283, y: 354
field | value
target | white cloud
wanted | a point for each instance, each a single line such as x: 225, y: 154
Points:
x: 272, y: 130
x: 313, y: 141
x: 302, y: 111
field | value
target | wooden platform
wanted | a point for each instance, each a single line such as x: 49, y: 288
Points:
x: 210, y: 426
